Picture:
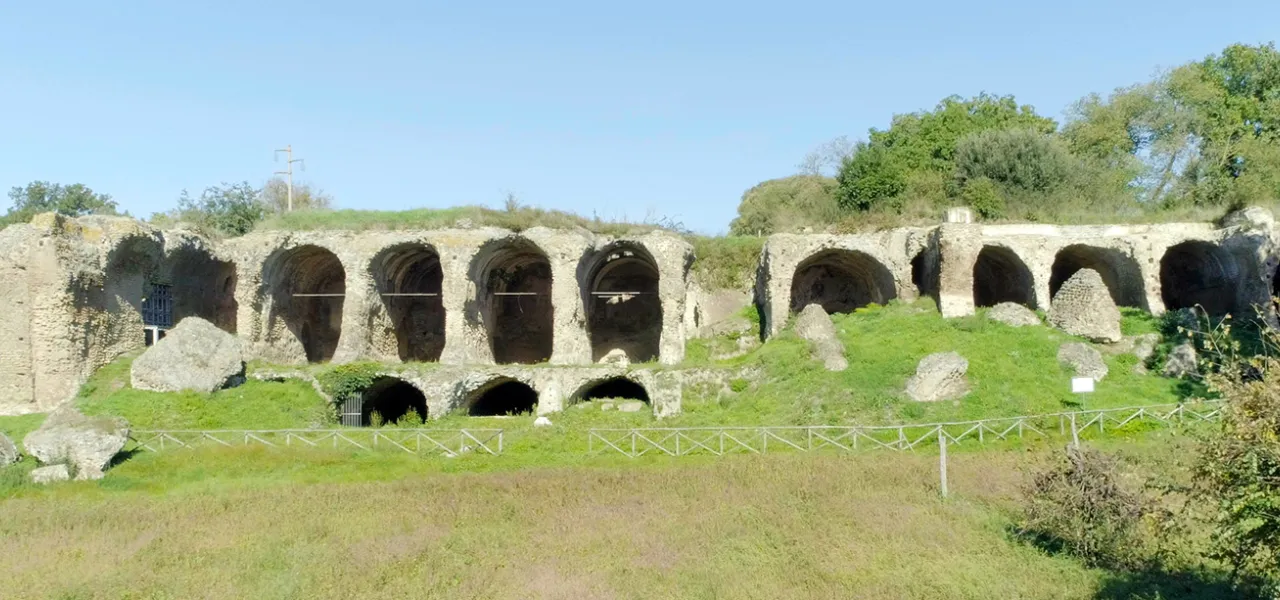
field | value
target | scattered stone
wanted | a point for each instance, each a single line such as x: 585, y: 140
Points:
x: 606, y: 406
x: 195, y: 355
x: 1144, y: 346
x: 1250, y: 217
x: 631, y: 406
x: 939, y: 376
x: 616, y: 357
x: 1013, y: 314
x: 8, y: 452
x: 1084, y: 359
x: 542, y: 422
x: 1083, y: 307
x: 89, y: 443
x: 1182, y: 360
x: 52, y: 474
x: 814, y: 325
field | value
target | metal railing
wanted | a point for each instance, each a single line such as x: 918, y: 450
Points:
x: 447, y: 442
x: 685, y: 441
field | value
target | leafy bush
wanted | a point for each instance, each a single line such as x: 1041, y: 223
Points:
x: 1023, y: 159
x: 1079, y: 504
x: 344, y: 381
x: 786, y: 205
x: 982, y: 195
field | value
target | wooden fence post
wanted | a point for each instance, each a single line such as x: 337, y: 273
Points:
x: 942, y: 460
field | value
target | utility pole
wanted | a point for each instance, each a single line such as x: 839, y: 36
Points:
x: 288, y: 150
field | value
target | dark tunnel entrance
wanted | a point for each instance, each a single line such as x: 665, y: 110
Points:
x: 505, y: 397
x: 409, y: 281
x: 392, y: 399
x: 201, y: 286
x: 1000, y: 276
x: 624, y: 310
x: 1118, y: 270
x: 841, y: 281
x: 514, y: 279
x: 309, y: 288
x: 924, y: 274
x: 617, y: 387
x: 1199, y: 273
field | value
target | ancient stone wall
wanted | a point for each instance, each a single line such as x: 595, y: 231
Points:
x: 481, y: 300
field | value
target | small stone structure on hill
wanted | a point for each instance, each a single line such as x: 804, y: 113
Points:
x: 1084, y: 307
x: 939, y: 376
x: 814, y: 324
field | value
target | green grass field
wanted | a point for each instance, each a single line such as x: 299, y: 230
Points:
x: 547, y: 520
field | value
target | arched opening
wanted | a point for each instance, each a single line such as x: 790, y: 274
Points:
x: 1118, y: 270
x: 409, y: 279
x: 924, y: 274
x: 392, y: 399
x: 514, y: 279
x: 613, y: 388
x: 623, y: 308
x: 502, y: 397
x: 1199, y: 273
x: 308, y: 286
x: 200, y: 286
x: 127, y: 290
x: 1000, y: 276
x: 841, y: 281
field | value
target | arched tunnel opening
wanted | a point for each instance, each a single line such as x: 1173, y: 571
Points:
x: 514, y: 279
x: 1119, y: 271
x: 613, y: 388
x: 623, y: 308
x: 1199, y: 274
x: 409, y: 280
x: 841, y: 281
x: 505, y: 397
x: 1000, y: 276
x: 129, y: 287
x: 200, y: 286
x: 925, y: 275
x: 392, y: 399
x: 309, y: 286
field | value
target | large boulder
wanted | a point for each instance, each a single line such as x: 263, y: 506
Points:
x: 194, y: 356
x: 1083, y: 307
x: 1182, y: 360
x: 1013, y: 314
x: 1144, y: 347
x: 87, y: 443
x: 814, y: 324
x: 51, y: 474
x: 8, y: 452
x: 939, y: 376
x: 1084, y: 360
x: 615, y: 358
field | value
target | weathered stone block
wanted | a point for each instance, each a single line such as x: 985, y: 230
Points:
x: 939, y: 376
x: 194, y: 356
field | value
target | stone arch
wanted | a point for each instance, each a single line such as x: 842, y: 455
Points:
x: 1197, y: 273
x: 999, y: 275
x: 131, y: 268
x: 201, y: 286
x: 501, y: 396
x: 1119, y: 271
x: 513, y: 278
x: 841, y: 281
x: 308, y: 286
x: 392, y: 398
x: 925, y: 274
x: 409, y: 280
x: 630, y: 322
x: 612, y: 387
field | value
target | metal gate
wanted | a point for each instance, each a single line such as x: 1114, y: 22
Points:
x: 157, y: 306
x: 353, y: 411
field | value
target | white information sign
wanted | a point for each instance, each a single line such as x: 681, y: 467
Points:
x: 1081, y: 385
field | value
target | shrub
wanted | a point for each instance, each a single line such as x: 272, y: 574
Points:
x: 344, y: 381
x: 984, y: 197
x: 1079, y: 505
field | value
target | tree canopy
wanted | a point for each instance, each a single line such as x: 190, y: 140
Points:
x: 72, y: 200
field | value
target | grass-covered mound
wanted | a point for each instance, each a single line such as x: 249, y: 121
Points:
x: 1012, y: 371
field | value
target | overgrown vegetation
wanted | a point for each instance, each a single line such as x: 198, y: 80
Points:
x: 726, y: 262
x: 42, y: 196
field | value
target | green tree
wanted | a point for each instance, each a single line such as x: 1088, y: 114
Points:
x: 786, y: 204
x: 231, y: 209
x: 41, y: 196
x: 275, y: 196
x: 924, y: 142
x: 1022, y: 159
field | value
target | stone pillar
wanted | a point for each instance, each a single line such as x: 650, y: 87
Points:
x: 353, y: 343
x: 672, y: 256
x: 570, y: 342
x: 958, y: 248
x: 773, y: 288
x: 464, y: 342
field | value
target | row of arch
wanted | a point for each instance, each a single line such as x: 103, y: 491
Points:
x: 1191, y: 273
x: 393, y: 398
x: 513, y: 304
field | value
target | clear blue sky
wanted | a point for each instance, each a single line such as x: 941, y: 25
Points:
x: 619, y: 109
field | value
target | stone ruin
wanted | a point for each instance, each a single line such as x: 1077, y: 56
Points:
x: 471, y: 312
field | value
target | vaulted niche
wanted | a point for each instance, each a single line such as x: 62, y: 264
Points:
x: 841, y: 281
x: 409, y: 281
x: 514, y: 280
x: 1199, y: 274
x: 623, y: 308
x: 1000, y: 276
x: 308, y: 286
x: 1118, y: 270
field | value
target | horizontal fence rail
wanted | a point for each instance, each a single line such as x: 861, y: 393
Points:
x: 445, y: 442
x: 718, y: 441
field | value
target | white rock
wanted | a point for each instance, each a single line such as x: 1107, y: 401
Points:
x: 939, y: 376
x: 47, y: 475
x: 87, y: 442
x: 194, y: 356
x: 8, y: 452
x: 814, y: 325
x: 1084, y: 359
x: 631, y: 406
x: 542, y: 422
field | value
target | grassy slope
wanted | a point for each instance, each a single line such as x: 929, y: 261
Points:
x: 281, y: 524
